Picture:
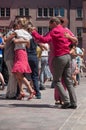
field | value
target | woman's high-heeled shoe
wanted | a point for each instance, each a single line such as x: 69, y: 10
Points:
x: 21, y: 96
x: 32, y: 95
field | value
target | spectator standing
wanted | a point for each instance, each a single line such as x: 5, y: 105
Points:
x: 74, y: 67
x: 79, y: 57
x: 44, y: 72
x: 1, y: 61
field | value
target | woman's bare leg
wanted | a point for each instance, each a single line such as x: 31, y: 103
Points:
x: 21, y: 79
x: 31, y: 90
x: 74, y: 79
x: 28, y: 84
x: 20, y: 83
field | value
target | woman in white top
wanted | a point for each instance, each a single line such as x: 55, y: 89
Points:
x: 21, y: 66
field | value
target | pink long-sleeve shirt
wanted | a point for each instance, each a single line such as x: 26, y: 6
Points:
x: 59, y: 41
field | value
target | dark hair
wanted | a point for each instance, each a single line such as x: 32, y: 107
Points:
x: 72, y: 45
x: 15, y: 25
x: 29, y: 26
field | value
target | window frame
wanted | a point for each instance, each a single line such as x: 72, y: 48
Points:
x: 7, y: 12
x: 23, y: 13
x: 81, y: 31
x: 49, y: 14
x: 4, y: 12
x: 1, y: 12
x: 77, y: 13
x: 42, y: 32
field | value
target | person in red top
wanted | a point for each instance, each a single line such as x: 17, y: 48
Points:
x: 61, y: 39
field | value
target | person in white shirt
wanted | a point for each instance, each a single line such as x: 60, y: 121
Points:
x: 21, y: 65
x: 45, y: 72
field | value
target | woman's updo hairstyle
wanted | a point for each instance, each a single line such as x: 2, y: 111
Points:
x: 23, y: 22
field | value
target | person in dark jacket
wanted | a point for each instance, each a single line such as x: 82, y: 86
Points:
x: 33, y: 61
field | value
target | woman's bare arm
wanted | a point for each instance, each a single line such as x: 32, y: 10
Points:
x: 21, y: 40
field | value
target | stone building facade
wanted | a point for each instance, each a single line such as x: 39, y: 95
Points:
x: 41, y: 11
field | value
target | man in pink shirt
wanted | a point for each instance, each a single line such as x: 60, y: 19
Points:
x: 61, y: 39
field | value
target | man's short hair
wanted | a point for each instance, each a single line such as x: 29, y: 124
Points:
x: 55, y: 19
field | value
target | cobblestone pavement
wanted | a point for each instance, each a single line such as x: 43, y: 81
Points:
x: 40, y: 114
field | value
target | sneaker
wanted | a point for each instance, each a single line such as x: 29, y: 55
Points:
x: 52, y: 85
x: 38, y: 97
x: 42, y: 88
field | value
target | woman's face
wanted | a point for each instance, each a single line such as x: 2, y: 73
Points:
x: 19, y: 26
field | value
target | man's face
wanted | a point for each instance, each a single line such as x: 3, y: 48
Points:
x: 52, y: 25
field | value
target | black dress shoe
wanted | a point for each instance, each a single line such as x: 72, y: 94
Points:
x: 72, y: 106
x: 66, y: 105
x: 42, y: 88
x: 11, y: 98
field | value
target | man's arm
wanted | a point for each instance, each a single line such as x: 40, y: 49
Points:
x: 40, y: 38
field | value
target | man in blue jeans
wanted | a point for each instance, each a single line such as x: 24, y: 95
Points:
x: 33, y: 62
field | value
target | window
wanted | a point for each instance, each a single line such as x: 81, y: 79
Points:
x: 45, y: 12
x: 59, y: 12
x: 56, y: 11
x: 7, y: 11
x: 23, y: 12
x: 79, y: 12
x: 39, y: 11
x: 42, y: 12
x: 4, y: 12
x: 79, y: 31
x: 43, y: 30
x: 50, y: 11
x: 26, y: 12
x: 40, y: 30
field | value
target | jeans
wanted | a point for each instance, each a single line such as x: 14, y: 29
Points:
x: 33, y: 62
x: 45, y: 72
x: 1, y: 60
x: 78, y: 75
